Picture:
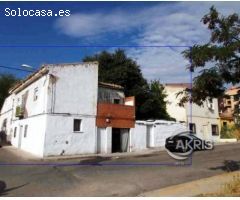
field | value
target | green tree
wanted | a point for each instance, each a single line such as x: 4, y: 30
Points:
x: 117, y: 68
x: 219, y: 58
x: 6, y: 82
x: 155, y: 105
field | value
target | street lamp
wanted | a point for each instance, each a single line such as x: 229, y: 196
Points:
x: 27, y: 66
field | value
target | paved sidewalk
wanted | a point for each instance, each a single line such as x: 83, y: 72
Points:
x: 31, y: 157
x: 23, y: 155
x: 194, y: 188
x: 20, y: 154
x: 109, y: 155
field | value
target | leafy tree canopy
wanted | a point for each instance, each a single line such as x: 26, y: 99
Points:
x: 222, y: 53
x: 6, y: 82
x: 119, y: 69
x: 155, y: 105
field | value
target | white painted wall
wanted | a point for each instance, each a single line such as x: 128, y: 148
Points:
x: 175, y: 111
x: 204, y: 118
x: 34, y: 120
x: 204, y: 128
x: 73, y: 94
x: 62, y: 140
x: 101, y: 140
x: 36, y: 117
x: 104, y: 140
x: 138, y: 137
x: 75, y: 91
x: 34, y: 140
x: 161, y: 130
x: 33, y: 107
x: 6, y: 113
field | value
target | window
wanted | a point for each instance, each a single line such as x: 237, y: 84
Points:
x: 116, y: 101
x: 77, y: 125
x: 15, y: 132
x: 35, y: 95
x: 236, y: 108
x: 210, y: 104
x: 236, y: 97
x: 192, y: 128
x: 224, y: 124
x: 215, y: 129
x: 25, y: 131
x: 4, y: 125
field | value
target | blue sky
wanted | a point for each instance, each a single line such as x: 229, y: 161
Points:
x: 108, y: 23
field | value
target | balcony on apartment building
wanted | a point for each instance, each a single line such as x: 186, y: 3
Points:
x: 114, y: 109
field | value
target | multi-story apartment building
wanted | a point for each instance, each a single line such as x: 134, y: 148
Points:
x: 229, y: 107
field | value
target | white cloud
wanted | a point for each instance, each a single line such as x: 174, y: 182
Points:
x: 82, y: 25
x: 163, y: 24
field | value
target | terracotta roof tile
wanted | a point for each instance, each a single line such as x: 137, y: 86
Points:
x: 110, y: 85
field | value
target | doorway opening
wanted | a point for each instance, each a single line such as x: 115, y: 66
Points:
x: 120, y: 140
x: 116, y: 140
x: 3, y: 135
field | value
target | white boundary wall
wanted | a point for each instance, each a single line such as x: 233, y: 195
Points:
x: 147, y: 134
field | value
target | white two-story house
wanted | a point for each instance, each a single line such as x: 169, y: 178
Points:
x: 62, y: 109
x: 201, y: 120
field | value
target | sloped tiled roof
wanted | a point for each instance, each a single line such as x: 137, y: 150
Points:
x: 110, y: 85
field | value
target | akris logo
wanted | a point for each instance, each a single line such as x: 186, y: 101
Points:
x: 182, y: 145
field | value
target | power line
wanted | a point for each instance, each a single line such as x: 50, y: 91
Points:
x: 14, y: 68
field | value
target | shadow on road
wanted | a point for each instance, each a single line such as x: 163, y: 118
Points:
x: 94, y: 161
x: 4, y: 191
x: 2, y: 186
x: 228, y: 166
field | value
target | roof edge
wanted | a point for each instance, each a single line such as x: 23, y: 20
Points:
x: 43, y: 68
x: 110, y: 85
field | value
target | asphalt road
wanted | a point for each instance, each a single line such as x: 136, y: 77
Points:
x: 129, y: 176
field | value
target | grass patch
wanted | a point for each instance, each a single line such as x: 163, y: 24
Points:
x: 231, y: 189
x: 231, y: 131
